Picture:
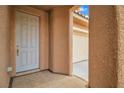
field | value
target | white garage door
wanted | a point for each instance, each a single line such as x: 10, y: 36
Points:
x: 80, y: 46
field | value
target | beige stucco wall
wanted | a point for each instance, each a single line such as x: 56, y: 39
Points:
x: 44, y: 41
x: 120, y: 20
x: 4, y: 46
x: 103, y: 46
x: 59, y: 41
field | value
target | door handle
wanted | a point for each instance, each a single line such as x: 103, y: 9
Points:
x: 17, y: 52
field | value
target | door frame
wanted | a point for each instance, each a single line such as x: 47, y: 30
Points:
x: 31, y: 11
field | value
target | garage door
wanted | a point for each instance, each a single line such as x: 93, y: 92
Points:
x: 80, y: 46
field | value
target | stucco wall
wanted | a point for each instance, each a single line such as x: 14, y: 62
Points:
x: 44, y: 38
x: 120, y: 20
x: 4, y: 45
x: 59, y: 41
x: 103, y: 46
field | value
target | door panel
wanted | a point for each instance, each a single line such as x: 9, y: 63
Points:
x: 80, y: 47
x: 27, y: 42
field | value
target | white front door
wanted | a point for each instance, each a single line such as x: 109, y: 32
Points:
x: 27, y: 42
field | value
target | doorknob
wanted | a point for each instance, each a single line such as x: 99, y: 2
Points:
x: 17, y: 50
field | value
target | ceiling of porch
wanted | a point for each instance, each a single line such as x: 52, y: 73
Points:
x: 45, y: 7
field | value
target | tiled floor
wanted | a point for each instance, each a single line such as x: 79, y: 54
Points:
x: 46, y: 79
x: 81, y: 69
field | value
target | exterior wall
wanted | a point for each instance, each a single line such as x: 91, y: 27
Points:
x: 103, y: 46
x: 4, y: 46
x: 120, y: 20
x: 44, y: 38
x: 59, y: 41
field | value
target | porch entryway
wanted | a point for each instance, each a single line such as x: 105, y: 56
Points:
x: 47, y: 79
